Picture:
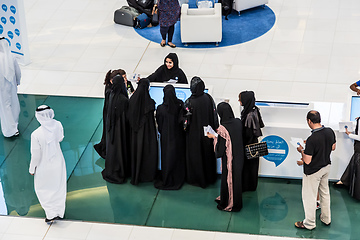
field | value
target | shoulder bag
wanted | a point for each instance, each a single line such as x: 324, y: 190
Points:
x: 256, y: 150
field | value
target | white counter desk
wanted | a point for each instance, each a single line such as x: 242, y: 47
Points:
x: 286, y: 120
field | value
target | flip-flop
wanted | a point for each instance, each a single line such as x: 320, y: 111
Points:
x: 172, y: 45
x: 162, y: 44
x: 339, y: 185
x: 300, y: 225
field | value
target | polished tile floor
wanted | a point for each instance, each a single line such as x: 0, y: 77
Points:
x: 270, y: 211
x: 311, y: 54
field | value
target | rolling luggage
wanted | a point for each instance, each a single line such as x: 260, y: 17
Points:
x: 126, y: 16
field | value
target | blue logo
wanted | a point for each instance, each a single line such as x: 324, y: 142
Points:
x: 10, y: 34
x: 8, y: 42
x: 4, y: 7
x: 13, y: 9
x: 278, y: 149
x: 12, y: 20
x: 3, y: 20
x: 181, y: 95
x: 18, y: 46
x: 1, y: 29
x: 17, y: 32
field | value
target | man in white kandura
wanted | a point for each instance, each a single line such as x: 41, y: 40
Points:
x: 9, y: 79
x: 48, y: 164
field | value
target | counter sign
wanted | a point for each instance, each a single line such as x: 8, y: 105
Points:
x: 278, y: 149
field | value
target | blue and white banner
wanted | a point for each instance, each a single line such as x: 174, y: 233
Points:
x: 13, y: 28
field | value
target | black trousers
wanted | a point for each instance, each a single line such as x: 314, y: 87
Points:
x: 169, y: 31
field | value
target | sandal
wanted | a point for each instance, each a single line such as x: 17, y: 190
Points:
x: 162, y: 44
x: 172, y: 45
x: 300, y: 225
x: 339, y: 185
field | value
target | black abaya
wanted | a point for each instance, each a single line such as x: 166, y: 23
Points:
x: 200, y: 156
x: 100, y: 148
x: 252, y: 124
x: 230, y: 139
x: 117, y: 137
x: 163, y: 74
x: 144, y: 146
x: 172, y: 139
x: 351, y: 176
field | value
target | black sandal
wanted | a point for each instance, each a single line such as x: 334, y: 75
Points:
x: 300, y: 225
x: 162, y: 44
x: 172, y: 45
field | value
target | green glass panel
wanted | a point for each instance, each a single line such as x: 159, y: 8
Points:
x: 191, y: 208
x: 80, y: 117
x: 28, y: 104
x: 91, y: 198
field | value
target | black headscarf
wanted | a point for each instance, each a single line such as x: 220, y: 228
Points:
x: 140, y: 104
x: 118, y: 102
x: 247, y: 99
x: 118, y: 85
x: 225, y: 112
x: 197, y: 86
x: 172, y: 103
x: 163, y: 74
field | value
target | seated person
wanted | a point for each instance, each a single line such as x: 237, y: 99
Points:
x: 169, y: 71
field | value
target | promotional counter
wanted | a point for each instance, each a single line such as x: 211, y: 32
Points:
x: 287, y: 120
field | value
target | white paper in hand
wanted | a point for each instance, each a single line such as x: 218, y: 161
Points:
x: 348, y: 125
x: 209, y: 129
x: 296, y: 142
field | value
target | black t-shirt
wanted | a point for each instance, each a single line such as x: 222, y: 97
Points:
x: 319, y: 146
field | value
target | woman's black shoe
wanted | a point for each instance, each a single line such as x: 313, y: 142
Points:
x: 339, y: 185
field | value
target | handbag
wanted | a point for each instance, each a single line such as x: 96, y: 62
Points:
x: 155, y: 16
x: 126, y: 16
x: 256, y: 150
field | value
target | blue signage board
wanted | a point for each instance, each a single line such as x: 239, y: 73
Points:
x: 278, y: 149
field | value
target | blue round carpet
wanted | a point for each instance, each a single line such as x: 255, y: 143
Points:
x: 251, y: 24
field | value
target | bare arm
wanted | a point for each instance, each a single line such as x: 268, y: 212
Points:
x: 354, y: 87
x: 305, y: 158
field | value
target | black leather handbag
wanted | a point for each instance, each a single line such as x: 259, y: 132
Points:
x: 256, y: 150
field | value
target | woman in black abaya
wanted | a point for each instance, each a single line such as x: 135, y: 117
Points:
x: 144, y: 146
x: 200, y: 156
x: 351, y: 177
x: 117, y: 165
x: 100, y: 148
x: 252, y: 124
x: 229, y: 146
x: 172, y: 139
x: 169, y: 70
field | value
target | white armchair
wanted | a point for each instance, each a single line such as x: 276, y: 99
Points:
x: 240, y: 5
x: 201, y: 24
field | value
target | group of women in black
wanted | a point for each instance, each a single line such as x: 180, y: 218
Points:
x: 130, y: 140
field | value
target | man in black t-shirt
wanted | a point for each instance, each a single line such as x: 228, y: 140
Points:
x: 316, y: 158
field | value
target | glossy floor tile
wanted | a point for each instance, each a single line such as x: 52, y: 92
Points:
x: 269, y: 211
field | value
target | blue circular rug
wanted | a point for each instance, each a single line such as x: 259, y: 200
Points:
x: 251, y: 24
